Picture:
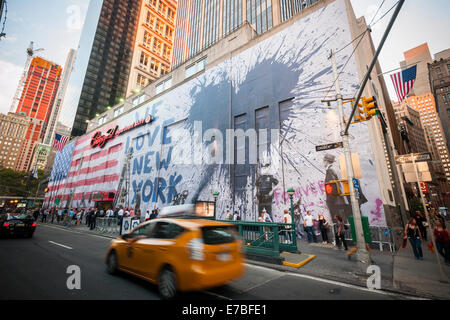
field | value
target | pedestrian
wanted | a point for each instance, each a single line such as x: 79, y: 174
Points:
x: 229, y: 215
x: 109, y: 213
x: 261, y: 217
x: 287, y: 229
x: 442, y: 238
x: 120, y: 218
x: 340, y: 232
x: 94, y: 219
x: 421, y: 222
x: 413, y: 233
x: 45, y: 214
x: 127, y: 212
x: 309, y: 227
x: 236, y: 216
x: 59, y: 217
x: 72, y: 216
x: 147, y: 215
x: 154, y: 214
x: 131, y: 212
x: 323, y: 227
x: 36, y: 214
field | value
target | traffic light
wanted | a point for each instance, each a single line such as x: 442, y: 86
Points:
x: 360, y: 116
x: 45, y: 190
x: 370, y: 106
x: 332, y: 188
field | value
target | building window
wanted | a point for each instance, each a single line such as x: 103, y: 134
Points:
x: 163, y: 86
x: 196, y: 68
x: 438, y: 69
x: 144, y: 59
x: 141, y: 80
x: 118, y: 111
x: 137, y: 101
x: 102, y: 120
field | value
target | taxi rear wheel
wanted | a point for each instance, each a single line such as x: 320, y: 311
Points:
x: 167, y: 284
x: 112, y: 263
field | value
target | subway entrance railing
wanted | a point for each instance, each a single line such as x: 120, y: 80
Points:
x: 268, y: 239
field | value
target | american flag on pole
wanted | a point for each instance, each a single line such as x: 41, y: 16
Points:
x: 59, y: 142
x: 404, y: 81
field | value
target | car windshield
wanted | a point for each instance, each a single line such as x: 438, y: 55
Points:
x: 20, y: 216
x: 218, y: 235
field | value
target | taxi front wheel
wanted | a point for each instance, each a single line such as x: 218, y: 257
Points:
x: 167, y: 284
x: 112, y: 263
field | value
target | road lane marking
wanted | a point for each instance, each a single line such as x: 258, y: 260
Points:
x: 61, y: 245
x: 341, y: 284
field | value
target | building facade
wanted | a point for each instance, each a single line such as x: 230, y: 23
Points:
x: 413, y: 135
x: 439, y: 72
x: 419, y: 56
x: 37, y: 100
x: 183, y: 143
x: 13, y: 129
x: 154, y: 43
x: 201, y: 23
x: 107, y: 42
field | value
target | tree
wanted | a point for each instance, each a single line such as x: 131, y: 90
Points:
x: 21, y: 184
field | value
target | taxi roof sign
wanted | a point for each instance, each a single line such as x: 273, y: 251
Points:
x: 185, y: 210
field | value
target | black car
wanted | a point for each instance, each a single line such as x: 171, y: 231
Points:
x: 17, y: 224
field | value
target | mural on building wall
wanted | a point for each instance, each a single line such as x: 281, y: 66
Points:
x: 276, y: 85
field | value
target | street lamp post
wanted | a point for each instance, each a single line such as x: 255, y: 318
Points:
x: 291, y: 193
x: 215, y: 195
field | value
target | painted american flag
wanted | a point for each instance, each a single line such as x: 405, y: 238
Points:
x: 404, y: 81
x: 90, y: 171
x: 59, y: 142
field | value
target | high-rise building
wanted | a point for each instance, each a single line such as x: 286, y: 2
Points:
x: 434, y: 132
x: 419, y: 56
x: 440, y: 83
x: 36, y: 102
x: 54, y: 117
x: 412, y: 132
x: 153, y: 47
x: 201, y: 23
x: 107, y: 43
x: 13, y: 129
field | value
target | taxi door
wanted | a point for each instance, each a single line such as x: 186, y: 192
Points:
x: 131, y: 251
x: 156, y: 250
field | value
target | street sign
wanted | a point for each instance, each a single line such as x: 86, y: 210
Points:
x: 424, y: 187
x: 330, y: 146
x: 417, y: 157
x: 356, y: 186
x: 57, y: 201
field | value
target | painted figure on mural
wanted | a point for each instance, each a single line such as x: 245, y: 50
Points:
x: 265, y: 185
x: 338, y: 206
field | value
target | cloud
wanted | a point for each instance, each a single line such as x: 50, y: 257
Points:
x: 9, y: 79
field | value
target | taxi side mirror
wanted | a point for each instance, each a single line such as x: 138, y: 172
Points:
x: 126, y: 236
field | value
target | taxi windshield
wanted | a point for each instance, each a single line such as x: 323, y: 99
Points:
x: 20, y: 216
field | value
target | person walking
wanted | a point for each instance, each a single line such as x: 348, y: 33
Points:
x: 340, y: 232
x: 442, y: 238
x: 229, y: 215
x: 421, y: 222
x: 413, y: 233
x: 94, y: 219
x: 236, y: 216
x: 109, y: 213
x: 323, y: 227
x: 287, y: 218
x: 309, y: 227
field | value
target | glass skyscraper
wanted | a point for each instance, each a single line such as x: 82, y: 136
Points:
x: 201, y: 23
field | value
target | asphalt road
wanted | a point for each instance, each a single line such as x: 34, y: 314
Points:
x: 36, y: 269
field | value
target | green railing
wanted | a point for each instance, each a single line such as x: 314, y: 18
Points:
x: 268, y: 239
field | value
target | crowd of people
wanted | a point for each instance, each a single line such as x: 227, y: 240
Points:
x: 76, y: 217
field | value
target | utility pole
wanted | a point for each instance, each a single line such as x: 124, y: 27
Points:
x: 362, y: 255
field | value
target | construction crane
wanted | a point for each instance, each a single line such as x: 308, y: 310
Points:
x: 30, y: 54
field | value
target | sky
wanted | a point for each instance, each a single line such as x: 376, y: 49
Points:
x: 56, y: 26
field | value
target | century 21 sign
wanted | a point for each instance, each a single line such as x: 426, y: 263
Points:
x: 100, y: 140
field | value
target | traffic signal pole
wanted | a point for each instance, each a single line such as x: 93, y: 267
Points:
x: 362, y: 254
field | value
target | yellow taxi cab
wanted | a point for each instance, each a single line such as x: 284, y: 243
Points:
x: 179, y: 254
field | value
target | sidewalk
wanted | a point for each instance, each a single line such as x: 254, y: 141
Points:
x: 420, y: 276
